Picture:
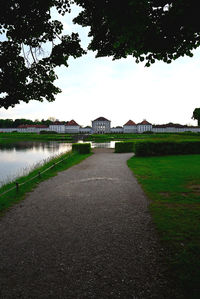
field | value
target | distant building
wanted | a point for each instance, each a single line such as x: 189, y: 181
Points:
x: 101, y: 125
x: 117, y: 129
x: 174, y: 128
x: 58, y: 127
x: 65, y: 127
x: 32, y: 128
x: 86, y: 130
x: 144, y: 126
x: 72, y: 127
x: 130, y: 127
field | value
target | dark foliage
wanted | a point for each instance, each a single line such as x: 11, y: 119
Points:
x: 124, y: 147
x: 148, y: 132
x: 196, y: 115
x: 148, y: 30
x: 164, y: 148
x: 81, y: 148
x: 48, y: 132
x: 10, y: 123
x: 26, y: 27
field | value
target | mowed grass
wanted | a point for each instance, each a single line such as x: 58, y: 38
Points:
x: 14, y: 196
x: 173, y: 185
x: 15, y: 136
x: 144, y: 137
x: 12, y: 137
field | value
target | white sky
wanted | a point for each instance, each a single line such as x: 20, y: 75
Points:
x: 118, y: 90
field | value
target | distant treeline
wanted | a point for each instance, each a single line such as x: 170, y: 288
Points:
x: 10, y: 123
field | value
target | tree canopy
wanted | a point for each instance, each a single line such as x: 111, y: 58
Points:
x: 196, y: 115
x: 10, y: 123
x: 146, y: 29
x: 26, y: 73
x: 149, y: 30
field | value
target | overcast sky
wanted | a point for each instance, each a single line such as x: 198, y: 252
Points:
x: 118, y: 90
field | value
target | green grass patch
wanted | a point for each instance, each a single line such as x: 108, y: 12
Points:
x: 12, y: 137
x: 14, y: 196
x: 173, y: 185
x: 143, y: 137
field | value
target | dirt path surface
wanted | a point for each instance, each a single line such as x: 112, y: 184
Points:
x: 85, y: 233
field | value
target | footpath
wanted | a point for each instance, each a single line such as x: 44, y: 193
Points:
x: 85, y: 233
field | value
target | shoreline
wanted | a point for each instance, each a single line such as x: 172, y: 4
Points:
x: 28, y: 182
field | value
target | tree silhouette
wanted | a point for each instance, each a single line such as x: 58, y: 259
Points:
x: 26, y: 27
x: 146, y: 29
x: 196, y: 115
x: 149, y: 30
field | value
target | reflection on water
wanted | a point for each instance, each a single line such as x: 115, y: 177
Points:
x: 103, y: 144
x: 20, y: 157
x: 27, y: 145
x: 110, y: 144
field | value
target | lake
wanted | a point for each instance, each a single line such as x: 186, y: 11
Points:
x: 17, y: 159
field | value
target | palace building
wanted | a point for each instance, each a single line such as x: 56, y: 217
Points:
x: 101, y: 125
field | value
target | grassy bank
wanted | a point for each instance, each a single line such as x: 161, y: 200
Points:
x: 173, y: 185
x: 144, y: 137
x: 14, y: 196
x: 12, y: 137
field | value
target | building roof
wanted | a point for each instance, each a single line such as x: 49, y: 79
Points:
x: 101, y: 119
x: 144, y: 122
x: 170, y: 125
x: 32, y: 126
x: 72, y: 123
x: 130, y: 123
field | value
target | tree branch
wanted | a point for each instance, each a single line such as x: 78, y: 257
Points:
x: 32, y: 54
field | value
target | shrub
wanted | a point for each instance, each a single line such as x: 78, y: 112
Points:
x: 124, y: 147
x: 149, y: 148
x: 48, y: 132
x: 147, y: 132
x: 81, y: 148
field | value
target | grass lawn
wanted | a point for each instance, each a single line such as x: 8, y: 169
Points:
x: 12, y: 137
x: 144, y: 137
x: 173, y: 185
x: 14, y: 196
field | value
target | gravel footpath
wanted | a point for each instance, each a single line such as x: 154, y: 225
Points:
x: 85, y: 233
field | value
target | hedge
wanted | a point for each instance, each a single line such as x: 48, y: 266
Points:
x: 149, y: 148
x: 48, y: 132
x: 124, y: 147
x: 81, y: 148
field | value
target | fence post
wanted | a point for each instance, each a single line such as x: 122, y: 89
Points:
x: 17, y: 186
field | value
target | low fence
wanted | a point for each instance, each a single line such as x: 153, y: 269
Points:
x: 17, y: 185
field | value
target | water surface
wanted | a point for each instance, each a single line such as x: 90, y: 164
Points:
x: 19, y: 158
